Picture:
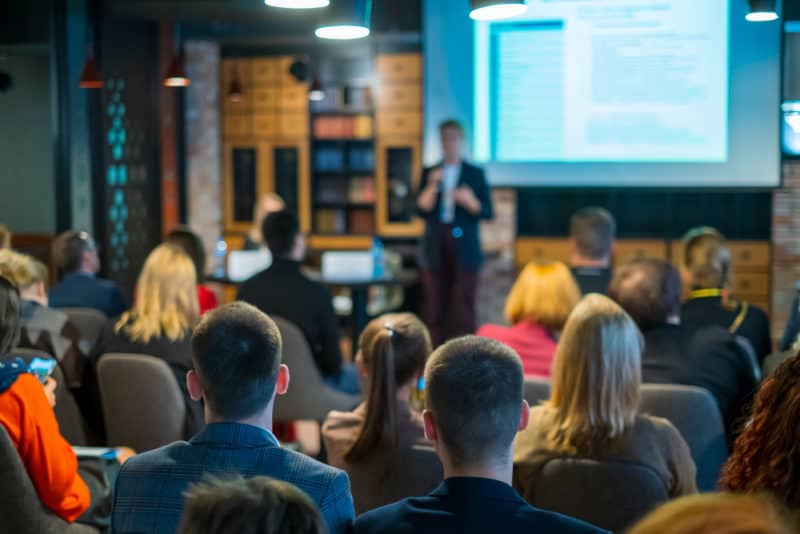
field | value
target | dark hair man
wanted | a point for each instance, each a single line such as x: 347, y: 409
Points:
x: 237, y: 374
x: 592, y: 232
x: 705, y: 356
x: 283, y: 290
x: 474, y: 409
x: 75, y: 254
x: 454, y: 196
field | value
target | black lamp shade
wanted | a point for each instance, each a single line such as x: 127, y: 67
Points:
x: 90, y: 75
x: 346, y: 19
x: 176, y: 74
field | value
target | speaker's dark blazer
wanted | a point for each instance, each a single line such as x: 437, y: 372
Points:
x: 465, y: 227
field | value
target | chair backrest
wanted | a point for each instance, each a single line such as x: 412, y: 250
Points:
x: 309, y: 397
x: 383, y: 478
x: 695, y: 413
x: 537, y: 390
x: 69, y: 417
x: 610, y: 495
x: 21, y: 509
x: 89, y: 322
x: 143, y: 407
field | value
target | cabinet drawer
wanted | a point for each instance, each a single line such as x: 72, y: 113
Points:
x: 266, y: 98
x: 400, y: 67
x: 628, y: 250
x: 748, y: 283
x: 750, y: 255
x: 294, y: 125
x: 529, y: 249
x: 244, y: 105
x: 265, y: 72
x: 404, y: 97
x: 265, y: 125
x: 294, y: 98
x: 236, y: 68
x: 238, y: 126
x: 399, y: 123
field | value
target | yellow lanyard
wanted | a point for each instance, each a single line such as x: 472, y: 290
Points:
x: 705, y: 293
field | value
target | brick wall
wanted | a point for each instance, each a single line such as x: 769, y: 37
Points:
x: 203, y: 142
x: 786, y: 245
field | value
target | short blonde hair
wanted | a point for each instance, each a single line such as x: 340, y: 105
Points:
x: 166, y: 297
x: 720, y: 513
x: 544, y: 293
x: 22, y: 270
x: 706, y: 259
x: 596, y: 375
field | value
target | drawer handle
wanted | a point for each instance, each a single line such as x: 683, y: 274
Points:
x: 745, y: 255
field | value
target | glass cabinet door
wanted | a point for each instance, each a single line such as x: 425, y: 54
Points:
x: 398, y: 168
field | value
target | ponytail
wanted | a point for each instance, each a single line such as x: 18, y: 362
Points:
x: 380, y: 424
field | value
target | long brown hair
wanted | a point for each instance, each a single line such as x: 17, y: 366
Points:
x: 393, y: 349
x: 766, y: 456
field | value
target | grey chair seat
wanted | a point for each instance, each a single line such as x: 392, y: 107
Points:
x: 143, y: 407
x: 692, y: 410
x: 610, y: 495
x: 308, y: 397
x: 383, y: 478
x: 21, y: 510
x: 89, y: 322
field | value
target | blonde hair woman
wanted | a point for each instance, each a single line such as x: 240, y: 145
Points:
x: 537, y: 308
x: 161, y: 320
x: 720, y: 513
x: 268, y: 203
x: 706, y: 271
x: 593, y: 408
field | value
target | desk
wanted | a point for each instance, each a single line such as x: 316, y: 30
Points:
x: 359, y: 293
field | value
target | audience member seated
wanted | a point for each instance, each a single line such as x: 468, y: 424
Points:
x: 160, y: 322
x: 185, y: 239
x: 237, y: 373
x: 717, y: 513
x: 269, y: 203
x: 708, y: 356
x: 474, y: 409
x: 72, y: 492
x: 592, y: 411
x: 766, y: 456
x: 791, y: 334
x: 44, y: 328
x: 257, y: 505
x: 538, y: 306
x: 5, y: 237
x: 75, y: 256
x: 391, y: 358
x: 592, y: 231
x: 283, y: 290
x: 707, y: 272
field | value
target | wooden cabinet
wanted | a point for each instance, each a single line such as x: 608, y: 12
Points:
x: 627, y: 250
x: 399, y: 67
x: 538, y: 249
x: 398, y: 163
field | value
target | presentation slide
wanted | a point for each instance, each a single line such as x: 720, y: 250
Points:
x: 645, y: 93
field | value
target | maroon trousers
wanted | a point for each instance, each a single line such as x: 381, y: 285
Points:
x: 450, y: 293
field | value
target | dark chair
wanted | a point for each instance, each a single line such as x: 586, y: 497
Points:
x: 610, y: 495
x: 695, y: 413
x: 537, y: 390
x: 21, y: 510
x: 382, y: 478
x: 309, y: 397
x: 89, y: 322
x: 143, y: 407
x: 69, y: 417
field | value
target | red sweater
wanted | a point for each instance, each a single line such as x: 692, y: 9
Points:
x: 533, y: 343
x: 31, y: 423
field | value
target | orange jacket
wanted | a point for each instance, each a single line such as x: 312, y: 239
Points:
x: 29, y: 419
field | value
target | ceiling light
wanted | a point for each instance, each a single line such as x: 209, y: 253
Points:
x: 496, y: 9
x: 176, y: 73
x: 346, y: 19
x: 298, y: 4
x: 90, y: 75
x: 762, y: 11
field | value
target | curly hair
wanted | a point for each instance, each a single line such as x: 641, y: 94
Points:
x: 766, y: 456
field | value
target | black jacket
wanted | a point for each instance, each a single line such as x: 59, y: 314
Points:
x: 465, y: 229
x: 283, y: 290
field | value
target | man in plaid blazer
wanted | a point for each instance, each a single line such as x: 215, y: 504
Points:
x: 237, y: 373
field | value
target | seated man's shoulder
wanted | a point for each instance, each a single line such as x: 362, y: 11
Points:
x: 397, y: 517
x: 303, y: 471
x: 551, y: 522
x: 163, y: 458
